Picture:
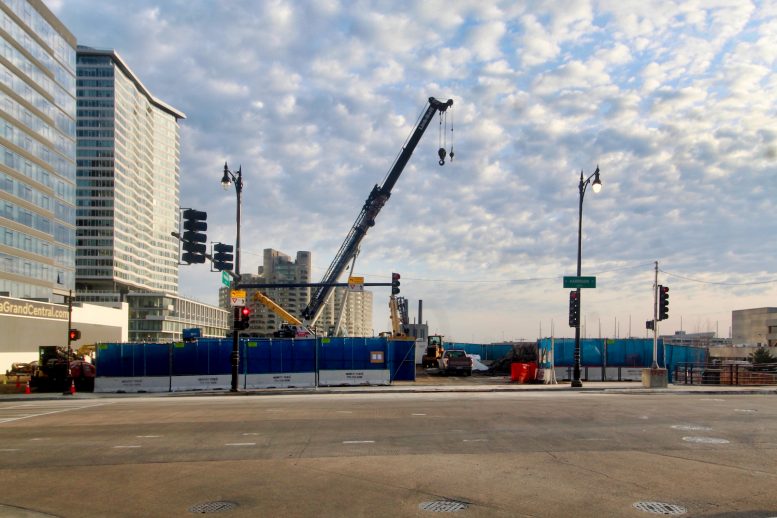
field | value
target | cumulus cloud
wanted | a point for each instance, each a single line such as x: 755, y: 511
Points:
x: 673, y: 101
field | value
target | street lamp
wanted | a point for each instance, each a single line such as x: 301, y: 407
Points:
x: 596, y: 185
x: 237, y: 180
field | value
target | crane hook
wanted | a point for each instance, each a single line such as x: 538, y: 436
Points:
x: 451, y: 154
x: 441, y: 154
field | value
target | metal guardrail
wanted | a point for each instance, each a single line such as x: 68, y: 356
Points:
x: 725, y: 374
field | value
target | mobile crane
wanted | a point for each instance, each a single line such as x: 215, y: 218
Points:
x: 372, y: 207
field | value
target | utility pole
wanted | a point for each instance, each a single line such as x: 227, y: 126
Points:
x: 655, y: 321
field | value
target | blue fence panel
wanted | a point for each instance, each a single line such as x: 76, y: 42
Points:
x: 108, y: 360
x: 401, y: 360
x: 332, y: 354
x: 186, y: 361
x: 219, y: 356
x: 157, y: 359
x: 303, y: 355
x: 625, y: 352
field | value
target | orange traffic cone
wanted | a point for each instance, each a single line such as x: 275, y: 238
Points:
x: 72, y: 387
x: 27, y: 388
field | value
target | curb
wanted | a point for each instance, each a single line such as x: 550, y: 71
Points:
x: 436, y: 389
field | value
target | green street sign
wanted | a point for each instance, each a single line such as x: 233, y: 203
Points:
x: 225, y: 279
x: 580, y: 282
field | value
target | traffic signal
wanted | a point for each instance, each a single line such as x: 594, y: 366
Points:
x: 663, y: 302
x: 242, y: 318
x: 193, y: 237
x: 394, y: 283
x: 574, y: 308
x: 222, y: 256
x: 74, y: 334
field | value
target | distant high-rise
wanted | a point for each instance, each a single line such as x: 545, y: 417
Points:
x: 279, y: 268
x: 37, y: 142
x: 128, y: 182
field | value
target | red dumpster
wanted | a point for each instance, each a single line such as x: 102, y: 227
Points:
x: 523, y: 372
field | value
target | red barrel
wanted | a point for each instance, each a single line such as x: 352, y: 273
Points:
x: 523, y: 372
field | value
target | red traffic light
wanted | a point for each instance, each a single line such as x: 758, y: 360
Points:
x: 395, y: 276
x: 245, y: 312
x: 74, y: 334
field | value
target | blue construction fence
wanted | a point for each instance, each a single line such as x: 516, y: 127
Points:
x: 258, y: 356
x: 485, y: 351
x: 623, y: 352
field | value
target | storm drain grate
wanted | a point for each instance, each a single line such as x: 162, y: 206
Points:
x: 443, y: 506
x: 212, y: 507
x: 660, y: 508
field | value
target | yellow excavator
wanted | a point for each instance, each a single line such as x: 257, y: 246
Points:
x: 292, y: 327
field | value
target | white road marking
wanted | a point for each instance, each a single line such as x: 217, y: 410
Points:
x: 129, y: 446
x: 147, y: 436
x: 745, y: 410
x: 58, y: 411
x: 251, y: 433
x: 240, y: 444
x: 358, y: 442
x: 474, y: 440
x: 417, y: 414
x: 344, y: 412
x: 691, y: 427
x: 706, y: 440
x: 711, y: 399
x: 40, y: 439
x: 10, y: 449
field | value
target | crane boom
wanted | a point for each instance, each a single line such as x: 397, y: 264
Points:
x: 375, y: 201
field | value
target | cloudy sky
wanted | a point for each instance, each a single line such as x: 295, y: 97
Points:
x: 676, y: 103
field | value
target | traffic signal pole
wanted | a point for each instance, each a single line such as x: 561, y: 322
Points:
x: 66, y: 390
x: 655, y: 322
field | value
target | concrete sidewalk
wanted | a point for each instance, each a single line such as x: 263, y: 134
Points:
x: 450, y: 385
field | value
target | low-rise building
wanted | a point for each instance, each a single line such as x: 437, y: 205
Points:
x: 162, y: 317
x: 757, y: 326
x: 29, y: 324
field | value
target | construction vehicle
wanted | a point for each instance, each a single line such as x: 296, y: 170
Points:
x: 434, y: 351
x: 51, y: 372
x: 366, y: 219
x: 372, y: 207
x: 398, y: 325
x: 292, y: 327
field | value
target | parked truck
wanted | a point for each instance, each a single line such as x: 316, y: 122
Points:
x: 455, y: 361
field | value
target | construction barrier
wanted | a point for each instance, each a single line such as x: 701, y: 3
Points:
x: 205, y: 364
x: 606, y: 359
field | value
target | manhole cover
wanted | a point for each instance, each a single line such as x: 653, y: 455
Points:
x: 212, y: 507
x: 706, y: 440
x: 660, y: 508
x: 443, y: 506
x: 691, y: 427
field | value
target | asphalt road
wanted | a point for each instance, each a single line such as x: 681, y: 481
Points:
x: 341, y: 455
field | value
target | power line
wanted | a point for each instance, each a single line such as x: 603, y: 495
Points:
x: 717, y: 282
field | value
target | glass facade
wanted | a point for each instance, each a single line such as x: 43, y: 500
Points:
x: 37, y: 151
x: 128, y: 155
x: 156, y: 317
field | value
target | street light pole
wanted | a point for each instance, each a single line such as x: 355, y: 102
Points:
x: 596, y: 186
x: 237, y: 180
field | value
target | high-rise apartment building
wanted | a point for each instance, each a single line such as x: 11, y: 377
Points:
x: 37, y: 143
x: 128, y: 182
